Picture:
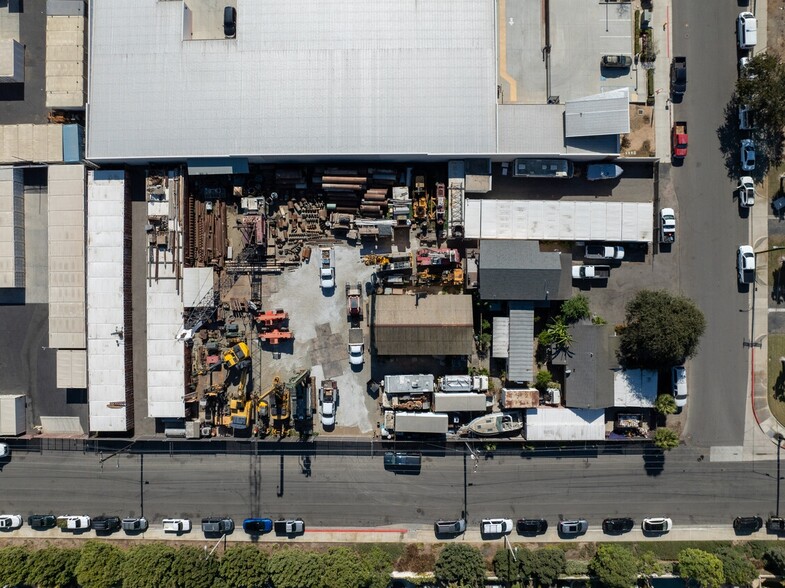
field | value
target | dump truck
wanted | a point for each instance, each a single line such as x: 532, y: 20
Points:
x: 679, y: 140
x: 356, y: 346
x: 667, y: 225
x: 591, y: 272
x: 327, y: 267
x: 354, y: 301
x: 289, y: 527
x: 678, y: 76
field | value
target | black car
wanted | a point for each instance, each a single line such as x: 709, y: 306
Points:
x: 531, y: 526
x: 613, y: 526
x: 775, y: 525
x: 41, y: 521
x: 747, y: 524
x: 106, y: 524
x: 230, y: 22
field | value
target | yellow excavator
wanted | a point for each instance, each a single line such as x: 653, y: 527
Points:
x: 235, y: 355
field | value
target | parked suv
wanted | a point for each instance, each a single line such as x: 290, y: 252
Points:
x: 106, y: 524
x: 747, y: 30
x: 617, y: 526
x: 217, y: 526
x: 573, y: 527
x: 134, y: 525
x: 621, y: 61
x: 496, y: 526
x: 41, y: 521
x: 531, y: 526
x: 747, y: 524
x: 450, y: 527
x: 679, y: 383
x: 657, y: 525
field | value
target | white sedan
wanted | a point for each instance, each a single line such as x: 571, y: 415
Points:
x: 656, y: 525
x: 747, y: 154
x: 745, y: 264
x: 10, y: 522
x: 746, y: 191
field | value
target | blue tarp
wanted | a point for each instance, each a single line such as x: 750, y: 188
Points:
x: 73, y: 143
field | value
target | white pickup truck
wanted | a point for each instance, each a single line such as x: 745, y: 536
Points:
x: 327, y: 268
x: 591, y: 272
x: 177, y: 525
x: 356, y: 346
x: 496, y: 526
x: 604, y: 252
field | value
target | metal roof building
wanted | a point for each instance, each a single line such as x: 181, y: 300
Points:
x: 601, y: 114
x: 109, y: 333
x: 520, y: 358
x: 336, y: 77
x: 590, y: 367
x: 560, y: 220
x: 564, y: 424
x: 12, y: 228
x: 423, y: 325
x: 635, y: 388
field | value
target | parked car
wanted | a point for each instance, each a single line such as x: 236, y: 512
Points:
x: 747, y: 524
x: 5, y: 450
x: 217, y: 526
x: 289, y: 527
x: 176, y: 525
x: 573, y: 527
x: 620, y: 525
x: 496, y: 526
x: 744, y: 72
x: 679, y: 385
x: 74, y: 522
x: 402, y: 461
x: 41, y: 521
x: 230, y: 22
x: 746, y: 30
x: 603, y: 252
x: 531, y: 526
x: 621, y: 61
x: 106, y: 524
x: 257, y: 526
x: 775, y: 525
x: 449, y: 527
x: 745, y: 264
x: 656, y: 525
x: 134, y: 525
x: 746, y: 192
x: 10, y: 522
x: 747, y: 154
x: 746, y: 121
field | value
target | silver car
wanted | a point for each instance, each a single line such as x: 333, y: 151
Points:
x: 747, y: 154
x: 573, y: 527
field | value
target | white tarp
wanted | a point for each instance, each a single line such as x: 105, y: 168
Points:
x: 565, y: 424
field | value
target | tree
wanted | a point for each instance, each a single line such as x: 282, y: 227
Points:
x: 13, y: 565
x: 557, y: 333
x: 649, y: 564
x: 666, y: 439
x: 53, y: 567
x: 192, y: 568
x: 738, y: 570
x: 762, y: 90
x: 661, y: 330
x: 292, y: 568
x: 505, y: 567
x: 344, y: 568
x: 460, y: 564
x: 543, y: 378
x: 100, y: 566
x: 614, y: 566
x: 700, y: 568
x: 774, y: 560
x: 148, y: 565
x: 665, y: 404
x: 546, y: 565
x: 244, y: 566
x: 380, y: 564
x: 575, y: 308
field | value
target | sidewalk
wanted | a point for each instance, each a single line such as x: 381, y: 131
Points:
x: 663, y: 117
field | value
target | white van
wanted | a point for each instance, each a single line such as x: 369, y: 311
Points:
x: 679, y: 380
x: 747, y: 30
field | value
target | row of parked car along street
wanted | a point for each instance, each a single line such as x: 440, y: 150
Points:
x: 212, y: 526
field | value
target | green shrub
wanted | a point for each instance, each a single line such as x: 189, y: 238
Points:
x: 575, y: 308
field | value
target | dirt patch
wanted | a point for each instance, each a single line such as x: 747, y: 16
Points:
x: 639, y: 142
x: 417, y: 558
x: 775, y: 28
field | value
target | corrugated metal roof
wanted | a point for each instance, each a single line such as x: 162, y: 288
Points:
x: 12, y: 228
x: 635, y: 388
x: 13, y: 414
x: 197, y: 284
x: 105, y: 301
x: 562, y: 220
x: 71, y: 368
x: 601, y: 114
x: 331, y: 77
x: 501, y: 337
x: 66, y: 260
x: 420, y: 422
x: 565, y: 424
x: 31, y: 143
x: 531, y: 129
x: 520, y: 363
x: 458, y: 402
x: 66, y: 38
x: 432, y: 325
x: 408, y: 383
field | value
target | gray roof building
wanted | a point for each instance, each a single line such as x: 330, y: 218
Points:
x: 601, y: 114
x: 428, y: 325
x: 518, y: 270
x: 590, y: 365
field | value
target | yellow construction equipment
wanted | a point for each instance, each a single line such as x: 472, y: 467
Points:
x: 262, y: 406
x: 235, y: 355
x: 373, y: 259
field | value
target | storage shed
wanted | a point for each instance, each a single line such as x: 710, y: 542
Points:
x: 13, y: 414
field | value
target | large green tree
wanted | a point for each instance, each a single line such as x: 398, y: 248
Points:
x: 192, y: 568
x: 148, y: 565
x: 13, y: 565
x: 244, y: 566
x: 774, y: 560
x: 614, y: 566
x: 344, y: 568
x: 661, y: 329
x: 738, y: 569
x: 380, y: 563
x: 293, y: 568
x: 700, y: 568
x: 763, y: 91
x: 460, y: 564
x: 53, y: 567
x: 546, y: 565
x: 100, y: 565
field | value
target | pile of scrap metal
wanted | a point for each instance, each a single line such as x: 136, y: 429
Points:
x: 439, y: 266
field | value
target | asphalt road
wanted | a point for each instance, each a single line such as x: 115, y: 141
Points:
x: 357, y: 492
x: 710, y: 225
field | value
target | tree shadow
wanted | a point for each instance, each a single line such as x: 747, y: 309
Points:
x: 653, y: 461
x: 779, y: 386
x: 768, y: 146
